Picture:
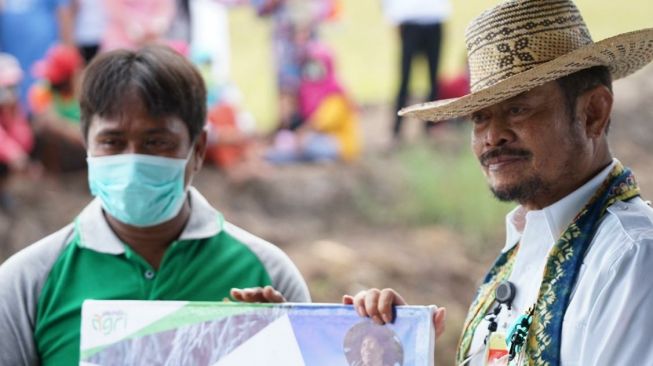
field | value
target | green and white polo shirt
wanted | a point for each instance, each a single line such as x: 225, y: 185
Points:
x: 43, y: 286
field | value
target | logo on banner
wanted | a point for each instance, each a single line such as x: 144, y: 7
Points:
x: 109, y: 321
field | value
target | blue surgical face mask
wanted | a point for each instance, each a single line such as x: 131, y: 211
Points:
x: 138, y: 190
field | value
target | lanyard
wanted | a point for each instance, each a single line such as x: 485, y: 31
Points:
x: 504, y: 294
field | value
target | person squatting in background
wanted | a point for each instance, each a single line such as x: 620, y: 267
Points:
x: 295, y: 24
x: 330, y: 131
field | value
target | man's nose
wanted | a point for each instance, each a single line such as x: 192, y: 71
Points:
x: 132, y: 147
x: 498, y: 133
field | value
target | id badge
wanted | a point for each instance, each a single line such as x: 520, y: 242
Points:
x: 496, y: 351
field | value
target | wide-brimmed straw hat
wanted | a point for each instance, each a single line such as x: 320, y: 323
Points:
x: 521, y: 44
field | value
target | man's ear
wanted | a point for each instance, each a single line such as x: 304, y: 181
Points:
x: 593, y: 110
x: 200, y: 151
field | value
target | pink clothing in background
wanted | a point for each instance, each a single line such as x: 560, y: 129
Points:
x: 313, y: 92
x: 16, y: 138
x: 133, y: 23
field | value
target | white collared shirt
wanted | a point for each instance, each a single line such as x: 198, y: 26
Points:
x: 609, y: 320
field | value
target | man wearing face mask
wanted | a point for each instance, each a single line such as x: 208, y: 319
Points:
x: 148, y: 235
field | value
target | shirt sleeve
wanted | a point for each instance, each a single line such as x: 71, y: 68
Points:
x: 284, y: 275
x: 288, y: 280
x: 620, y: 325
x: 17, y: 316
x: 21, y: 279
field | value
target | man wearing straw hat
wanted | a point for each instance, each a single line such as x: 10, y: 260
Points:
x: 572, y: 284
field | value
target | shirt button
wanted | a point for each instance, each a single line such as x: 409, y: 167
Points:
x: 149, y: 274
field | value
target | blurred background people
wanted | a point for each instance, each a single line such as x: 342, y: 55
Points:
x: 232, y: 144
x: 29, y: 27
x: 420, y: 30
x: 132, y: 24
x: 232, y: 139
x: 180, y: 28
x: 330, y: 131
x: 295, y: 24
x: 90, y: 24
x: 210, y: 39
x: 54, y: 102
x: 15, y: 135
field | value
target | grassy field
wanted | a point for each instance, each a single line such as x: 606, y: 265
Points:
x: 366, y: 47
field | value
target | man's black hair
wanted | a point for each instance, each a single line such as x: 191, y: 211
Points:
x: 574, y: 85
x: 165, y: 82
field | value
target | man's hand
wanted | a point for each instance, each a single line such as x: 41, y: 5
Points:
x: 377, y: 304
x: 257, y: 294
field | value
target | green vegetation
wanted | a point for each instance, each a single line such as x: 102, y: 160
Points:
x: 449, y: 189
x: 424, y: 185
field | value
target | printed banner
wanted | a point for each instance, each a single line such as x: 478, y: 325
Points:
x: 230, y: 334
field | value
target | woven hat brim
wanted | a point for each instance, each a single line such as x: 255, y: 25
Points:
x: 622, y: 54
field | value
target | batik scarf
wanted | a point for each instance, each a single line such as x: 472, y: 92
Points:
x: 560, y: 274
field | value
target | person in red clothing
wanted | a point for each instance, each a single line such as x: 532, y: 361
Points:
x: 54, y: 104
x: 15, y: 134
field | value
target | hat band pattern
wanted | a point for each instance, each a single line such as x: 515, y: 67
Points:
x: 514, y: 41
x: 499, y: 61
x: 510, y: 14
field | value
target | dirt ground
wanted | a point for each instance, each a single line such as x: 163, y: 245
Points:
x: 309, y: 211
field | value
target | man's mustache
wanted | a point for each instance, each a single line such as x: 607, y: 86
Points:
x: 503, y: 151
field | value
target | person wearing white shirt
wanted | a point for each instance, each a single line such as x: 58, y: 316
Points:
x: 572, y: 283
x: 90, y: 22
x: 420, y: 31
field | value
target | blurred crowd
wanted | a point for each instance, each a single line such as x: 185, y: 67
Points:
x: 46, y: 44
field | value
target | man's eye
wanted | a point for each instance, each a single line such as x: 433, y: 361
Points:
x: 157, y: 143
x: 152, y: 142
x: 516, y: 110
x: 478, y: 117
x: 110, y: 142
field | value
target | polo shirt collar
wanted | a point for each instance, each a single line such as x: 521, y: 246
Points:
x: 557, y: 216
x: 96, y: 234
